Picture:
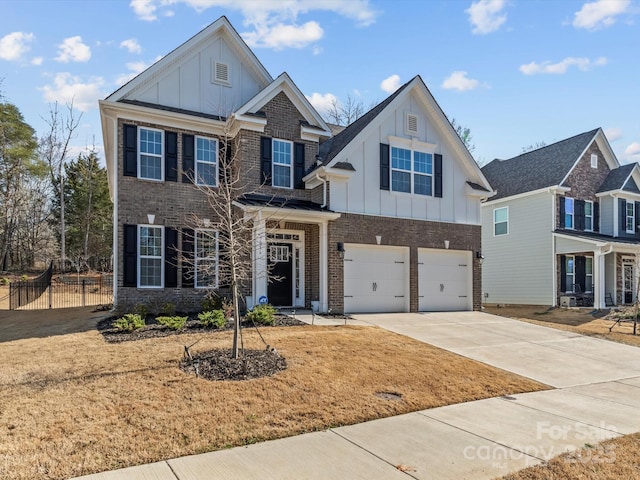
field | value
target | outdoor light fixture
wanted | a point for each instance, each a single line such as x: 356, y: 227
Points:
x: 151, y: 218
x: 206, y: 222
x: 341, y: 250
x: 480, y: 257
x: 446, y: 244
x: 378, y: 239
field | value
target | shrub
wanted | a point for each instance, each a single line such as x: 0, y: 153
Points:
x: 213, y: 318
x: 128, y: 323
x: 5, y: 281
x: 262, y: 314
x: 168, y: 309
x: 174, y: 322
x: 24, y: 277
x: 142, y: 310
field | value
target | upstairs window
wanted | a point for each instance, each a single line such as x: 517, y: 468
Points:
x: 206, y: 161
x: 411, y: 171
x: 588, y: 215
x: 282, y: 167
x: 631, y: 217
x: 568, y: 212
x: 501, y: 221
x: 150, y: 154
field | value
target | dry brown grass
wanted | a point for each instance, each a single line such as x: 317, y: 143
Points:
x: 72, y: 404
x: 616, y: 459
x: 581, y: 320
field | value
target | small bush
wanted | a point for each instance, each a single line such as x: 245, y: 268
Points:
x: 24, y: 277
x: 174, y: 322
x: 262, y: 314
x: 5, y: 281
x: 214, y: 318
x: 128, y: 323
x: 168, y: 309
x: 142, y: 310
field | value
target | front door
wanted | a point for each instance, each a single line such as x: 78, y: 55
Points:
x: 627, y: 283
x: 280, y: 287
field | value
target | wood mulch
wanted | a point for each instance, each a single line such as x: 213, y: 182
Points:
x: 220, y: 364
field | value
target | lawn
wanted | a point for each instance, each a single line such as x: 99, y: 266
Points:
x: 73, y: 404
x: 586, y: 321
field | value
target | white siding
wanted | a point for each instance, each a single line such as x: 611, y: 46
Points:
x: 362, y: 193
x: 606, y: 215
x: 518, y: 267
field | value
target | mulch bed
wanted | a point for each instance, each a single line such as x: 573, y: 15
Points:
x: 219, y: 364
x: 154, y: 330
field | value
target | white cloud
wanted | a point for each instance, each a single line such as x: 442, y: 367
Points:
x: 459, y: 81
x: 132, y: 45
x: 600, y: 14
x: 582, y: 63
x: 15, y: 44
x: 67, y: 88
x: 632, y: 149
x: 322, y: 102
x: 282, y: 36
x: 390, y: 84
x: 73, y: 50
x: 37, y: 61
x: 144, y: 9
x: 135, y: 68
x: 613, y: 134
x: 486, y: 15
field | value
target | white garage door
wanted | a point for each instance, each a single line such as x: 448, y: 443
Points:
x: 444, y: 280
x: 376, y: 278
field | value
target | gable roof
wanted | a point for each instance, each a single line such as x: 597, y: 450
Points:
x: 617, y: 178
x: 545, y: 167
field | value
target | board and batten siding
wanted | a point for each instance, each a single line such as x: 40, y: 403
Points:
x: 362, y: 193
x: 518, y: 267
x: 606, y: 215
x: 188, y: 85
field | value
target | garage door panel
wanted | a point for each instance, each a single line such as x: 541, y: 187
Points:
x: 444, y: 280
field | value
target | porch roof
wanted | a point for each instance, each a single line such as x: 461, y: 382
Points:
x: 281, y: 208
x: 596, y: 240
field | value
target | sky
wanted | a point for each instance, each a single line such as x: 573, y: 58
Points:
x: 515, y: 72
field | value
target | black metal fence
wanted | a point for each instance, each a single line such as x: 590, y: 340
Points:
x: 62, y: 291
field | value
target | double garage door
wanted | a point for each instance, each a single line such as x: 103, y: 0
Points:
x: 376, y: 279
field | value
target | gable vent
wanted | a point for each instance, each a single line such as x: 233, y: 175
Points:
x: 220, y: 72
x: 412, y: 124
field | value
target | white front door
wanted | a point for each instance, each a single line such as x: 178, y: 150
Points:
x: 445, y: 280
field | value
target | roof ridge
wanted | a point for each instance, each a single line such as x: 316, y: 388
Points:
x: 594, y: 131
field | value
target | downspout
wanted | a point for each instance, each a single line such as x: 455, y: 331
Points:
x: 324, y: 190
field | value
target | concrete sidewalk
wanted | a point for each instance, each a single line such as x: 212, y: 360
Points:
x: 598, y: 398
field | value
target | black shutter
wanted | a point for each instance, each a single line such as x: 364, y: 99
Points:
x: 562, y: 212
x: 187, y: 258
x: 637, y: 219
x: 579, y: 214
x: 596, y: 217
x: 265, y: 160
x: 384, y: 166
x: 622, y: 214
x: 130, y: 256
x: 187, y: 158
x: 170, y: 257
x: 563, y: 273
x: 437, y: 175
x: 580, y: 272
x: 225, y: 169
x: 171, y: 156
x: 130, y: 150
x: 224, y: 280
x: 298, y: 160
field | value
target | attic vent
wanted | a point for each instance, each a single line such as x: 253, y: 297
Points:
x: 412, y: 124
x: 594, y: 160
x: 220, y: 72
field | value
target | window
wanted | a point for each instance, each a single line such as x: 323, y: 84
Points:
x: 206, y: 161
x: 411, y: 171
x: 206, y: 259
x: 150, y: 164
x: 278, y: 253
x: 568, y: 212
x: 570, y: 274
x: 501, y: 221
x: 594, y: 160
x: 631, y: 217
x: 588, y: 215
x: 150, y: 257
x: 588, y: 269
x: 282, y: 168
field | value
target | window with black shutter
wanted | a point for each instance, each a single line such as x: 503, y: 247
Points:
x: 299, y: 160
x: 188, y: 158
x: 130, y: 150
x: 170, y: 258
x: 437, y: 175
x: 384, y: 166
x: 171, y: 156
x: 129, y: 255
x: 187, y: 263
x: 265, y: 160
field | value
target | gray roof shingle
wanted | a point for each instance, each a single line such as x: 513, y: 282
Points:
x: 544, y: 167
x: 616, y: 178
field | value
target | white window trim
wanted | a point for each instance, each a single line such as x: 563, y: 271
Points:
x: 594, y: 160
x: 291, y: 165
x: 573, y: 213
x: 573, y: 274
x: 196, y: 258
x: 627, y: 217
x: 411, y: 172
x: 161, y: 179
x: 139, y: 257
x: 198, y: 182
x: 588, y: 216
x: 494, y: 221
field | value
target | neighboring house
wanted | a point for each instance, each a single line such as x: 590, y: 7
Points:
x: 383, y: 215
x: 565, y: 218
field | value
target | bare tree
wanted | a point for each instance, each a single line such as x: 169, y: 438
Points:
x: 534, y: 146
x: 347, y: 112
x: 465, y: 135
x: 54, y: 150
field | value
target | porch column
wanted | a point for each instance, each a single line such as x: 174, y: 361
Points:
x: 259, y: 258
x: 324, y: 266
x: 599, y: 279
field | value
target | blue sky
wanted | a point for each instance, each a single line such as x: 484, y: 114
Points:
x: 516, y: 72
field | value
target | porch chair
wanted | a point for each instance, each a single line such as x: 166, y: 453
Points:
x: 579, y: 294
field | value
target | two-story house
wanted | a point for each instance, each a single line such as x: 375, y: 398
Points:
x: 565, y: 218
x: 382, y: 216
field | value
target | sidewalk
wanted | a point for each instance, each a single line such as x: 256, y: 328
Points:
x: 598, y: 397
